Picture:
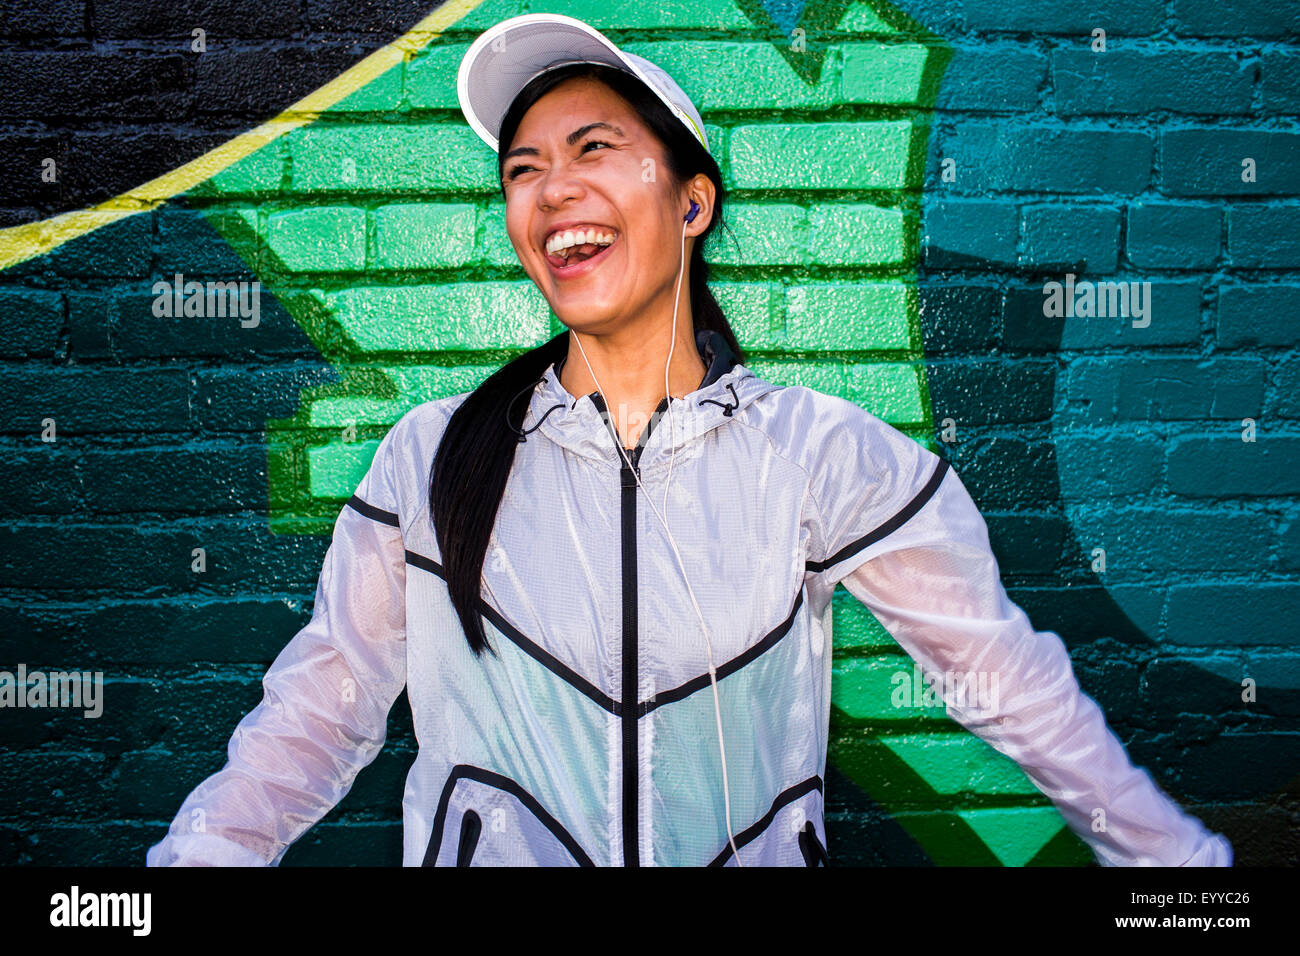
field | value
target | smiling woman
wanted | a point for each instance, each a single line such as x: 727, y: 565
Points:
x: 645, y: 537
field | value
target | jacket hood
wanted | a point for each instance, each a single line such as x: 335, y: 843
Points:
x: 582, y: 426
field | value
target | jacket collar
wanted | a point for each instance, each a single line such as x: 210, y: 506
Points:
x: 713, y: 348
x: 581, y: 426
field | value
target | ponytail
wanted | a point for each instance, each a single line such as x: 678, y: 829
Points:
x: 470, y: 471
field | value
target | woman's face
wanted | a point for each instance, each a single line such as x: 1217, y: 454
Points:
x: 582, y: 159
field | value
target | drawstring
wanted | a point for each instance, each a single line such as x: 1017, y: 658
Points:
x: 726, y: 409
x: 522, y: 434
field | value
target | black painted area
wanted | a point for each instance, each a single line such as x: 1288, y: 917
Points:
x: 113, y: 92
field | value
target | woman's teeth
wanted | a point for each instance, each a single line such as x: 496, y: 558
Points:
x: 563, y: 243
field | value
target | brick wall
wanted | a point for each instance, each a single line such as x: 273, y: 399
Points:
x: 901, y: 188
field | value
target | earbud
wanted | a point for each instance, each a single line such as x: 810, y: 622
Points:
x: 695, y: 211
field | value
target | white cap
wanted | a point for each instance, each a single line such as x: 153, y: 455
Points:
x: 506, y: 57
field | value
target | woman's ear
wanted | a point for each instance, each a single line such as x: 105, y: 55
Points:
x: 700, y: 191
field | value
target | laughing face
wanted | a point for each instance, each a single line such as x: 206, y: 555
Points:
x: 592, y: 210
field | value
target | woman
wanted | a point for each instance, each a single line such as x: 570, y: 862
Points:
x: 613, y: 624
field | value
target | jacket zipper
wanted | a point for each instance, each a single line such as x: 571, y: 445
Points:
x: 629, y: 656
x: 628, y: 484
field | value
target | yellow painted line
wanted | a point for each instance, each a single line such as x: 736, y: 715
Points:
x: 20, y: 243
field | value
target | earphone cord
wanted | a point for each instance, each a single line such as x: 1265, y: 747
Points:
x: 708, y: 644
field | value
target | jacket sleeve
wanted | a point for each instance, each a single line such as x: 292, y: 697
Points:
x: 915, y: 550
x: 326, y: 698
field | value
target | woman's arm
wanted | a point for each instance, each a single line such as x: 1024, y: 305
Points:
x: 326, y: 699
x: 933, y: 583
x: 898, y: 528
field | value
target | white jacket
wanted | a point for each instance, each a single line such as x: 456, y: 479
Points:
x: 591, y: 738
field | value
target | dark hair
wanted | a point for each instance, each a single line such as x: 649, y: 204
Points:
x: 477, y: 449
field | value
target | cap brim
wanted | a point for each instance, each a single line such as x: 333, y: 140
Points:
x: 503, y: 59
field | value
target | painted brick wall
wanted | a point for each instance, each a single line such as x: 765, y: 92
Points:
x: 904, y: 180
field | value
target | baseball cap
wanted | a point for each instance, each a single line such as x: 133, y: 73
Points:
x: 506, y: 57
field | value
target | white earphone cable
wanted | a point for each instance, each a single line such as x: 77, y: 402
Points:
x: 708, y: 644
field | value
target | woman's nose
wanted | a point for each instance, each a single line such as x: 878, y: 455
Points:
x: 559, y: 184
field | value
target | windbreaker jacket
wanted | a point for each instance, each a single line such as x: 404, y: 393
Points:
x: 590, y: 737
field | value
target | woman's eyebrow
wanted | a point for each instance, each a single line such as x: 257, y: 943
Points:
x: 570, y: 139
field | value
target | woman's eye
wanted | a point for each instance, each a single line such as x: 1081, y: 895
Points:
x: 517, y: 170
